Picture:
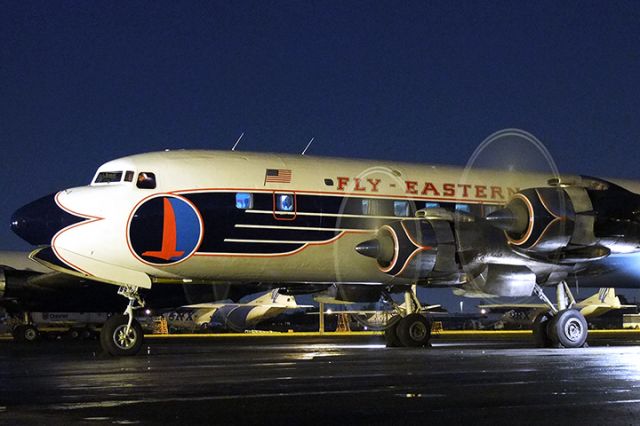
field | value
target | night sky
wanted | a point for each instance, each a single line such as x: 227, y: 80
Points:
x: 84, y: 82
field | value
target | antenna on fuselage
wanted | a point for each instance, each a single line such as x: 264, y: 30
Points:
x: 307, y: 147
x: 237, y: 142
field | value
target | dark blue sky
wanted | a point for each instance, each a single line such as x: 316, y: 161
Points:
x: 85, y: 82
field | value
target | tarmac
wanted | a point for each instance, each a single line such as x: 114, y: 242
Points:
x: 321, y: 380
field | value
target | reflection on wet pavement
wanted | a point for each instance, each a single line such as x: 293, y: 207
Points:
x: 319, y: 379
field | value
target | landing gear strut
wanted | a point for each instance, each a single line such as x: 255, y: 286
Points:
x: 121, y: 334
x: 408, y: 328
x: 562, y: 326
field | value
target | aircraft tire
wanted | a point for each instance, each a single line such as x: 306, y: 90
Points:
x: 114, y: 340
x: 569, y: 329
x: 540, y: 330
x: 414, y: 330
x: 391, y: 334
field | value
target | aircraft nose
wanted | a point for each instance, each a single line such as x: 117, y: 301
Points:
x: 38, y: 221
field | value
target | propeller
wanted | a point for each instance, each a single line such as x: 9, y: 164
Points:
x: 519, y: 157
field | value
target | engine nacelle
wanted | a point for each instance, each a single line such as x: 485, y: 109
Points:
x: 500, y: 281
x: 548, y: 219
x: 413, y: 248
x: 583, y: 220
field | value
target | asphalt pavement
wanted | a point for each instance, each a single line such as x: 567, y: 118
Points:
x: 319, y: 380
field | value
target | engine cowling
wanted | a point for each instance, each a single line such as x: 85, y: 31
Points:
x: 547, y: 219
x: 586, y: 220
x: 413, y: 248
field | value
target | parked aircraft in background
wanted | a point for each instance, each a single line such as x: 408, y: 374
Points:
x: 230, y: 316
x: 524, y: 314
x: 27, y: 287
x: 175, y: 217
x: 387, y: 314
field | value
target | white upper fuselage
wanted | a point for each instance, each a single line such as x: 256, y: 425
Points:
x: 257, y: 217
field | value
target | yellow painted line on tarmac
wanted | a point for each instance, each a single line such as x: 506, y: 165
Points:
x: 616, y: 331
x: 478, y: 334
x: 483, y: 334
x: 295, y: 334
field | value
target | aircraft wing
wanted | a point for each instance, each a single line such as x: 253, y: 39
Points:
x: 502, y: 308
x: 371, y: 312
x: 597, y: 309
x: 207, y: 305
x: 219, y: 305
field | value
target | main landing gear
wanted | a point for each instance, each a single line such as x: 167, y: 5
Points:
x: 408, y: 328
x: 121, y: 334
x: 562, y: 326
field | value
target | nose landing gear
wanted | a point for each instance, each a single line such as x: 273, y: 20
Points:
x: 122, y: 334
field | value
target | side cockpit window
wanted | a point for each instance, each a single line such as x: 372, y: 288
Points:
x: 128, y: 176
x: 146, y: 180
x: 108, y: 177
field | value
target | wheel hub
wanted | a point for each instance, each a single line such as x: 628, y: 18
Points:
x: 123, y: 339
x: 573, y: 330
x: 417, y: 331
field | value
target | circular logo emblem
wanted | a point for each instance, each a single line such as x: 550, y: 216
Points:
x: 165, y: 229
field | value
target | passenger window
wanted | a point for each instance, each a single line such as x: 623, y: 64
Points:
x: 128, y: 176
x: 429, y: 205
x: 108, y: 177
x: 466, y: 208
x: 146, y: 180
x: 285, y: 202
x: 401, y: 208
x: 366, y: 206
x: 244, y: 201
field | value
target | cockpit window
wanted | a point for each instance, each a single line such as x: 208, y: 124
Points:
x: 108, y: 177
x: 146, y: 180
x: 128, y: 176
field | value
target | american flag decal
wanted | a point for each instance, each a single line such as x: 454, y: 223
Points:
x: 277, y: 176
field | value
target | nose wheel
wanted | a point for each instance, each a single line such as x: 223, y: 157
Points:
x: 119, y: 338
x: 122, y: 334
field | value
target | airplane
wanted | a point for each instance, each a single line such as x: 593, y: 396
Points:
x: 388, y: 314
x: 155, y: 219
x: 524, y: 314
x: 231, y: 316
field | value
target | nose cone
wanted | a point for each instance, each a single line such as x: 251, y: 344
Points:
x: 38, y: 221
